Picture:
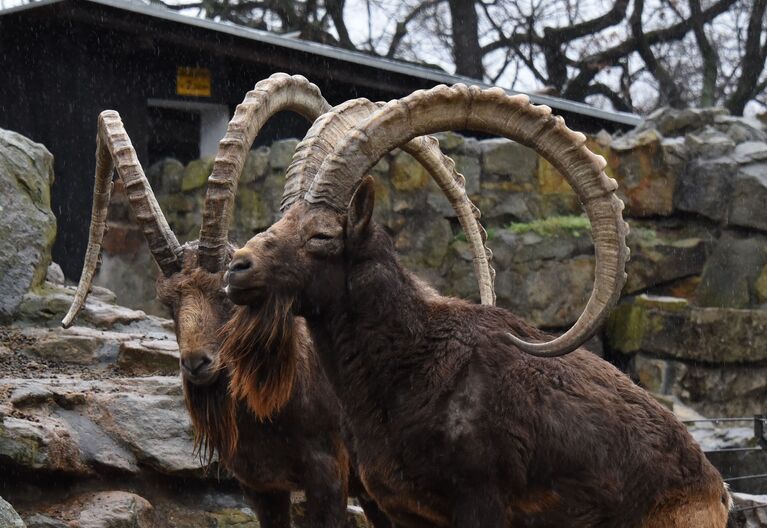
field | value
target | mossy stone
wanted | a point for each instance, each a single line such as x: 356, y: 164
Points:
x: 196, y: 174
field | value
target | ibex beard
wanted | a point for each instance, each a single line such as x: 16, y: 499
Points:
x: 260, y: 345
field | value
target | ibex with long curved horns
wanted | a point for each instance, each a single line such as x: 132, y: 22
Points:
x: 299, y: 446
x: 463, y: 415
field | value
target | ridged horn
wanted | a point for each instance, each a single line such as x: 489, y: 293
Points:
x: 278, y: 92
x: 493, y: 111
x: 328, y: 130
x: 115, y: 151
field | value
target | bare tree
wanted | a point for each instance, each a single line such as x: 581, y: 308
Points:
x: 634, y: 55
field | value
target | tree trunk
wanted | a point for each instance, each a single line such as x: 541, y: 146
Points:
x: 466, y: 50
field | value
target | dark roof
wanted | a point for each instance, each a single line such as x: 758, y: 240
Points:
x: 559, y: 104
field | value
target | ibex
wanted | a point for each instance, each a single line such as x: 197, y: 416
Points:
x: 300, y: 445
x: 464, y: 415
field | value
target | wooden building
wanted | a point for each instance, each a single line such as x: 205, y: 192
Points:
x: 175, y: 81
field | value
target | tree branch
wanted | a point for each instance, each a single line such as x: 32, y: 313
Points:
x: 401, y: 29
x: 590, y: 66
x: 708, y: 54
x: 557, y: 36
x: 753, y: 61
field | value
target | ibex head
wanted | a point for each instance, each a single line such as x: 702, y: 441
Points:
x: 323, y: 234
x: 191, y: 279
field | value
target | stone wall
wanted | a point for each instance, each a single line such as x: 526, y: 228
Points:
x: 694, y: 183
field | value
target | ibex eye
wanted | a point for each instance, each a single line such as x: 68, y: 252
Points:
x: 322, y: 236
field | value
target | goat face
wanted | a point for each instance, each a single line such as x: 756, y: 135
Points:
x: 302, y: 256
x: 199, y: 307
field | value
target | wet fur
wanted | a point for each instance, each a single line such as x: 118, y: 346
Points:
x: 261, y: 347
x: 300, y: 447
x: 453, y: 425
x: 214, y: 419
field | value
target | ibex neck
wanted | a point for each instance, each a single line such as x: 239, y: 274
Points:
x: 360, y: 336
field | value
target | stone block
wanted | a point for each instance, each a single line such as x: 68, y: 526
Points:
x: 712, y: 390
x: 729, y: 278
x: 196, y: 174
x: 705, y: 187
x: 281, y: 153
x: 671, y: 327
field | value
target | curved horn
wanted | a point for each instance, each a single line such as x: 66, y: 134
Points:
x: 115, y: 151
x: 278, y: 92
x: 495, y: 112
x: 328, y: 130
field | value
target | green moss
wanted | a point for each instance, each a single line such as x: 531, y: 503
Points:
x: 230, y: 518
x: 553, y: 226
x: 625, y: 328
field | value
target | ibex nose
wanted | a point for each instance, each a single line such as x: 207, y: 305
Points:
x: 240, y: 264
x: 195, y: 365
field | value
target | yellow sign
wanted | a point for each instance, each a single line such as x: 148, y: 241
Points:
x: 193, y: 81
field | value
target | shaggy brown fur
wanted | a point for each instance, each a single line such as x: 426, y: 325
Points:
x: 453, y: 425
x: 260, y: 345
x: 214, y: 419
x: 300, y: 446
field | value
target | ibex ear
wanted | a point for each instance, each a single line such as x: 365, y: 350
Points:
x: 360, y: 209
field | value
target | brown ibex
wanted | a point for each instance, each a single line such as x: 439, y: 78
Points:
x: 463, y: 415
x: 299, y: 446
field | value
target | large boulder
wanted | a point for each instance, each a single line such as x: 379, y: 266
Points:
x: 27, y: 224
x: 8, y: 516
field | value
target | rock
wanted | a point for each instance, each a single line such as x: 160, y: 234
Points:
x: 253, y: 211
x: 132, y: 277
x: 77, y: 345
x: 675, y: 122
x: 750, y: 151
x: 712, y: 390
x: 233, y: 517
x: 747, y: 199
x: 646, y: 182
x: 8, y: 516
x: 508, y: 162
x: 49, y: 304
x: 148, y: 416
x: 115, y: 509
x: 43, y: 521
x: 165, y: 176
x: 196, y: 174
x: 117, y: 425
x: 450, y: 141
x: 750, y: 511
x: 705, y: 186
x: 148, y: 357
x: 708, y: 143
x: 548, y: 293
x: 55, y: 275
x: 731, y: 272
x: 44, y: 444
x: 552, y: 238
x: 256, y: 165
x: 407, y: 174
x: 741, y: 129
x: 426, y: 245
x: 282, y: 153
x: 660, y: 256
x: 671, y: 327
x: 28, y: 226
